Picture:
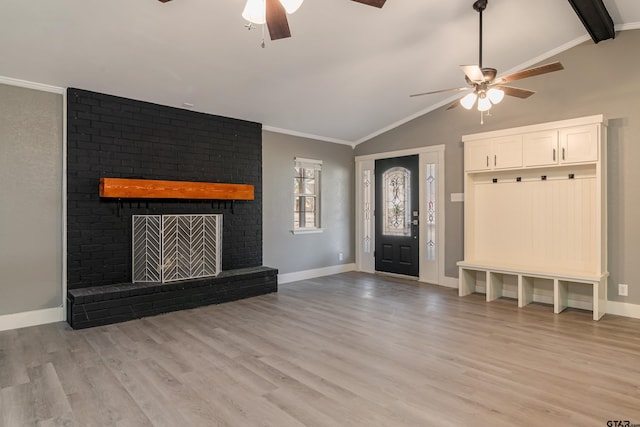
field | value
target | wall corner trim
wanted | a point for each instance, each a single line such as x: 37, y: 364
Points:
x: 31, y: 318
x: 623, y: 309
x: 316, y: 272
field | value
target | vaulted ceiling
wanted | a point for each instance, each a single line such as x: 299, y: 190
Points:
x: 343, y: 76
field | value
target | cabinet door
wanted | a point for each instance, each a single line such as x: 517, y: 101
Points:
x: 477, y: 155
x: 540, y: 148
x: 579, y: 144
x: 507, y: 152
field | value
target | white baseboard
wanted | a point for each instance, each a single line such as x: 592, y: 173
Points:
x: 31, y: 318
x: 623, y: 309
x: 316, y: 272
x: 449, y: 282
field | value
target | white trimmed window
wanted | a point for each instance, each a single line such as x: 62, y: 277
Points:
x: 306, y: 195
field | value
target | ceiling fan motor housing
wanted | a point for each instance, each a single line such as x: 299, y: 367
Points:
x: 488, y: 73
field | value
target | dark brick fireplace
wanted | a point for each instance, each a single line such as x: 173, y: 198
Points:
x: 115, y: 137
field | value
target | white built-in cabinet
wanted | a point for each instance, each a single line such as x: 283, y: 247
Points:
x: 540, y: 148
x: 535, y: 214
x: 576, y: 144
x: 494, y: 153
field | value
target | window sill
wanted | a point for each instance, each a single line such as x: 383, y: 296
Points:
x: 307, y: 231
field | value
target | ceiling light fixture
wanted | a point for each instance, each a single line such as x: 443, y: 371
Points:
x: 483, y: 102
x: 255, y: 11
x: 495, y: 95
x: 468, y: 100
x: 291, y: 5
x: 488, y: 89
x: 274, y: 14
x: 486, y: 98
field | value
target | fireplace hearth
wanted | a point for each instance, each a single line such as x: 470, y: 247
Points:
x: 102, y: 305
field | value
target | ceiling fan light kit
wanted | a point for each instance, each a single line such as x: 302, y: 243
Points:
x: 489, y: 90
x: 291, y: 5
x: 274, y: 14
x: 255, y: 11
x: 483, y: 103
x: 468, y: 100
x: 495, y: 95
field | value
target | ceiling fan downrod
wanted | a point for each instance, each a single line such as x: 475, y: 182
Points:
x: 479, y: 6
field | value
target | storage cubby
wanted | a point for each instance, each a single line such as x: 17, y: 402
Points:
x: 535, y: 214
x: 535, y: 289
x: 491, y: 283
x: 501, y: 285
x: 472, y: 281
x: 567, y: 292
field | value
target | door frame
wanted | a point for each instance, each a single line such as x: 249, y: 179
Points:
x: 430, y: 271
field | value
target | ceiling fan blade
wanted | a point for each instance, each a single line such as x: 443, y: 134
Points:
x: 516, y: 91
x: 277, y: 20
x: 374, y: 3
x: 164, y: 1
x: 473, y: 73
x: 456, y: 89
x: 530, y: 72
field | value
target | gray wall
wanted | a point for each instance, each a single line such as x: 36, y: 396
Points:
x: 598, y: 79
x: 291, y: 253
x: 30, y: 200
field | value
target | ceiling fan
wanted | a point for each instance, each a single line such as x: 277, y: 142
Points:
x: 274, y: 13
x: 487, y: 89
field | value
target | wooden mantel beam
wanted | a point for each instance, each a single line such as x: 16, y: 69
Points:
x: 123, y: 188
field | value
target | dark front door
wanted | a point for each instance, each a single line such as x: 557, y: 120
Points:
x: 396, y: 215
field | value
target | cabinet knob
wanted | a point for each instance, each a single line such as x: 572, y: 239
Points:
x: 554, y: 154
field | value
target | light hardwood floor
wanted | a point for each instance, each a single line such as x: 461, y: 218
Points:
x: 345, y: 350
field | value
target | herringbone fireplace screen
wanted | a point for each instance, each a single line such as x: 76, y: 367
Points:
x: 167, y: 248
